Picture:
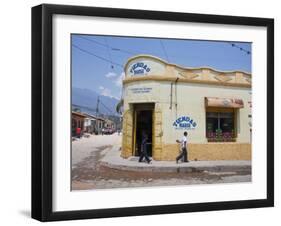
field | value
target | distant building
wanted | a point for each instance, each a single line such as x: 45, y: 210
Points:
x: 93, y: 124
x: 164, y: 100
x: 99, y: 125
x: 77, y: 120
x: 90, y: 123
x: 109, y: 124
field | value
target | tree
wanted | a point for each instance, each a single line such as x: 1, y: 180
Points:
x: 119, y: 106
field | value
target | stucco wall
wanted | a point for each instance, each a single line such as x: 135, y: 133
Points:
x: 209, y: 151
x: 188, y: 100
x: 186, y: 97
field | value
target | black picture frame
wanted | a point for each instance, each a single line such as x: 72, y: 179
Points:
x: 42, y: 111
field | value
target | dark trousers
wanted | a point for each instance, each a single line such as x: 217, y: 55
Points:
x: 183, y: 155
x: 143, y: 154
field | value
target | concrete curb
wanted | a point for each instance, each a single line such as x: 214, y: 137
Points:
x: 113, y: 160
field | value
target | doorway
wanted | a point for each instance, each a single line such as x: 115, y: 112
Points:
x: 143, y: 117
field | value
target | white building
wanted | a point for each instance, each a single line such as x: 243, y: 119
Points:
x: 164, y: 100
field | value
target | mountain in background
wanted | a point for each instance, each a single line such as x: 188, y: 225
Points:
x: 86, y: 101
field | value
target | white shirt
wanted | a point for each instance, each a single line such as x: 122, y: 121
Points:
x: 183, y: 142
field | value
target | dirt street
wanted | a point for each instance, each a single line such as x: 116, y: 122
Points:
x: 88, y: 173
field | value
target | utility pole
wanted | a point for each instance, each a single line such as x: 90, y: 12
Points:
x: 98, y: 102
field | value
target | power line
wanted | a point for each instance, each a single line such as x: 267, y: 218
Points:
x: 240, y: 48
x: 106, y: 108
x: 109, y: 54
x: 101, y: 58
x: 96, y: 42
x: 100, y: 102
x: 95, y: 110
x: 80, y: 106
x: 164, y: 50
x: 107, y: 46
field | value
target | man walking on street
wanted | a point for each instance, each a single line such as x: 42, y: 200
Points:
x: 143, y: 153
x: 183, y: 154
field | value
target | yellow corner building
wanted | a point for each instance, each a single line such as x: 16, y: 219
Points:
x: 165, y: 100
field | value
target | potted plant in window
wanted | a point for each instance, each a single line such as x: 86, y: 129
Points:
x: 219, y: 135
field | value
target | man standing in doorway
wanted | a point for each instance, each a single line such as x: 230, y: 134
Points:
x: 183, y: 154
x: 143, y: 151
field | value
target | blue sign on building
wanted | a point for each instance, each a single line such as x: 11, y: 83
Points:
x: 139, y: 68
x: 184, y: 122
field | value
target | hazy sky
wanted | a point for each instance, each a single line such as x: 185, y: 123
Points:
x: 92, y: 56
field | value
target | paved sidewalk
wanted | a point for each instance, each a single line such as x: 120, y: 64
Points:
x: 113, y: 160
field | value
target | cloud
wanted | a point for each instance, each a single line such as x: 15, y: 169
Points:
x: 118, y: 81
x: 107, y: 92
x: 115, y: 78
x: 110, y: 75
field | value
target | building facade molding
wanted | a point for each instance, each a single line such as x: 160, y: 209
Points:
x: 204, y: 75
x: 181, y: 67
x: 183, y: 80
